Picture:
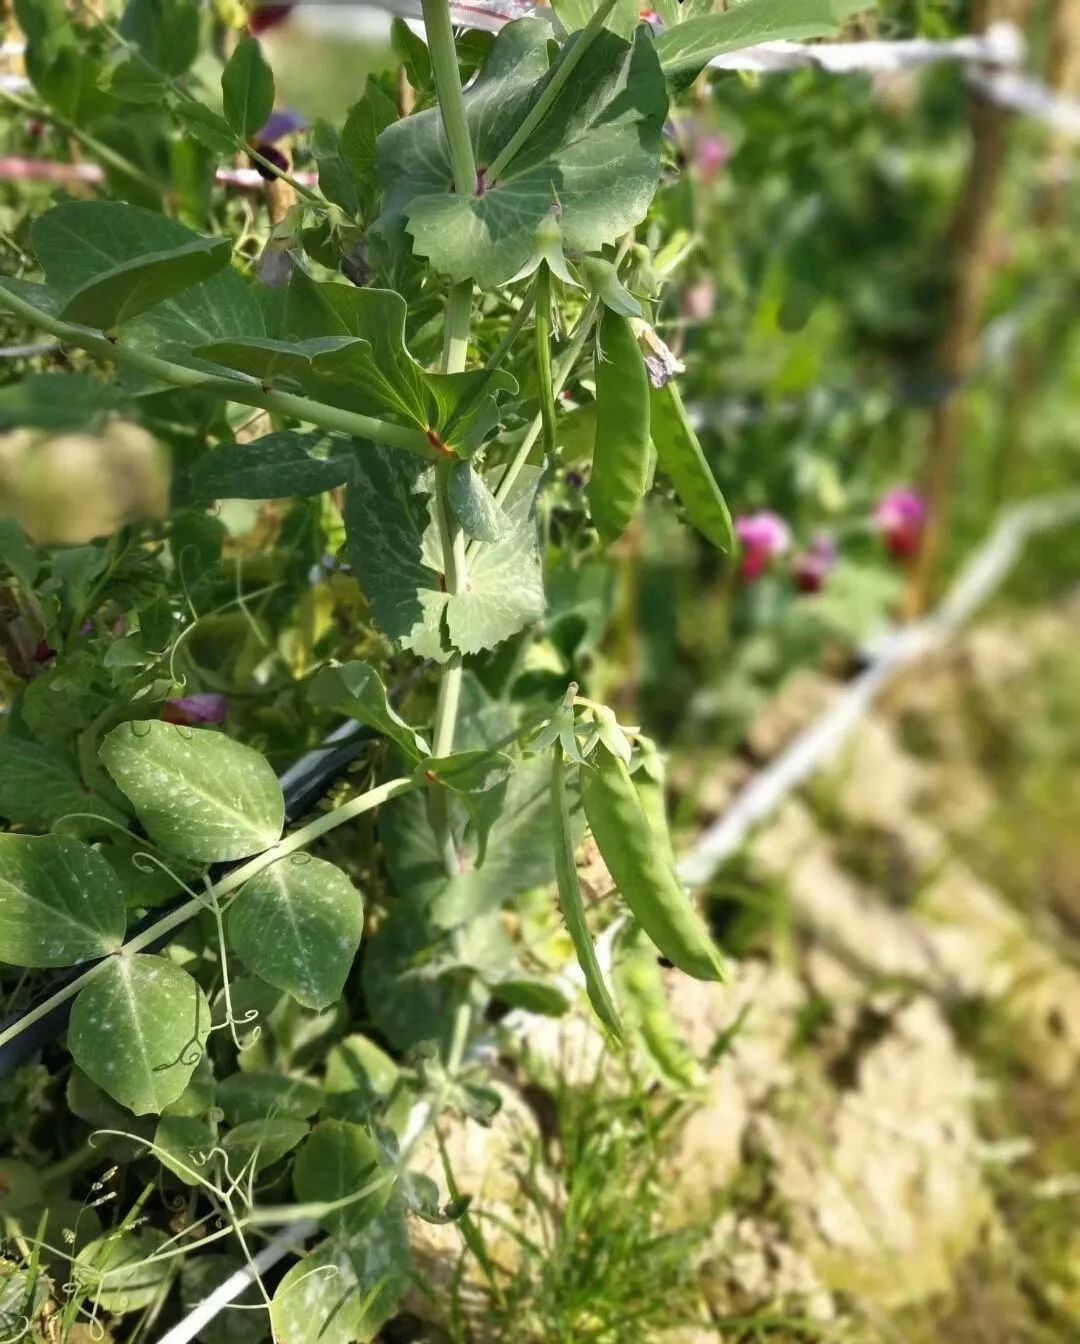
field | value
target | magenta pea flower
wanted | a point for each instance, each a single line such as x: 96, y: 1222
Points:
x: 812, y: 567
x: 900, y: 518
x: 203, y: 707
x: 763, y: 536
x: 709, y: 154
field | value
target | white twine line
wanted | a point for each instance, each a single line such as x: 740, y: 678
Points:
x: 821, y: 742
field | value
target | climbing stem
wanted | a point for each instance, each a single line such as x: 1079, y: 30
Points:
x: 444, y: 64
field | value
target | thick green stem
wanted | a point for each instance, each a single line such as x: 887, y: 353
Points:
x: 542, y: 332
x: 245, y: 392
x: 444, y: 64
x: 554, y: 87
x: 175, y: 919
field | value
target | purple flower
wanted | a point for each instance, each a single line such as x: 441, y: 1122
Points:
x: 283, y: 122
x: 812, y: 567
x: 763, y: 536
x: 202, y: 707
x: 899, y: 519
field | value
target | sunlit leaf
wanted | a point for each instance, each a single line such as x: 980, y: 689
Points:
x: 60, y: 902
x: 247, y: 89
x: 297, y: 925
x: 336, y: 1163
x: 138, y: 1030
x: 197, y: 792
x: 356, y: 689
x: 116, y: 1273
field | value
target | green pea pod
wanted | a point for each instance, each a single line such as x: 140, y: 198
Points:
x: 642, y: 872
x: 680, y: 456
x: 620, y: 467
x: 570, y: 900
x: 650, y: 783
x: 644, y: 1004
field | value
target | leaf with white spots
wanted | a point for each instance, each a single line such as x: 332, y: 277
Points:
x: 197, y: 792
x: 297, y: 924
x: 138, y: 1030
x: 116, y: 1272
x: 60, y: 902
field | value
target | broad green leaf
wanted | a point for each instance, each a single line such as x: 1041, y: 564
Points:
x: 138, y: 1030
x: 475, y: 507
x: 64, y: 62
x: 394, y: 550
x: 298, y: 363
x: 297, y: 925
x: 357, y: 1063
x: 376, y: 374
x: 262, y: 1142
x: 116, y: 1273
x: 357, y: 689
x: 247, y: 89
x: 337, y: 1162
x: 130, y: 288
x: 685, y: 49
x: 344, y: 1291
x: 60, y: 902
x: 19, y: 1186
x: 252, y: 1096
x: 277, y: 466
x: 183, y: 1144
x: 39, y: 785
x: 573, y: 15
x: 197, y: 793
x: 80, y: 241
x: 402, y: 992
x: 597, y: 152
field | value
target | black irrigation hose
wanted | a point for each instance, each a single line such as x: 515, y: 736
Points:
x: 303, y: 784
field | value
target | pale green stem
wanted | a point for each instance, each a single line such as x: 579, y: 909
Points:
x: 444, y: 65
x: 230, y: 389
x: 553, y: 88
x: 298, y: 840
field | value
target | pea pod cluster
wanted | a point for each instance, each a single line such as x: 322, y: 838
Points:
x: 621, y: 451
x: 642, y: 872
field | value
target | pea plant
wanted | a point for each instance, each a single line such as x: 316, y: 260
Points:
x: 425, y: 356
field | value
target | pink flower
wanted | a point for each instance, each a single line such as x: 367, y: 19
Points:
x: 710, y: 154
x: 699, y: 300
x: 811, y: 568
x: 763, y: 536
x: 899, y: 519
x: 190, y: 710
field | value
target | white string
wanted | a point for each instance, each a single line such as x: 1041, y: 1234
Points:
x: 821, y: 742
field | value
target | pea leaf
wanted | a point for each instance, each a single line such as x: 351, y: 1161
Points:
x: 251, y: 1096
x: 130, y: 288
x: 372, y: 114
x: 247, y: 89
x: 181, y: 1141
x: 138, y: 1030
x: 336, y: 180
x: 56, y: 401
x: 198, y: 793
x: 39, y: 785
x: 337, y: 1162
x: 276, y: 466
x: 394, y: 550
x: 479, y: 780
x: 344, y: 1290
x: 597, y: 152
x: 79, y: 242
x: 165, y: 31
x: 688, y: 47
x: 60, y: 902
x: 263, y: 1141
x: 116, y: 1273
x: 357, y: 689
x: 297, y: 925
x: 374, y: 373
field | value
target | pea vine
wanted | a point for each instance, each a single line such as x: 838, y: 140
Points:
x: 498, y: 220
